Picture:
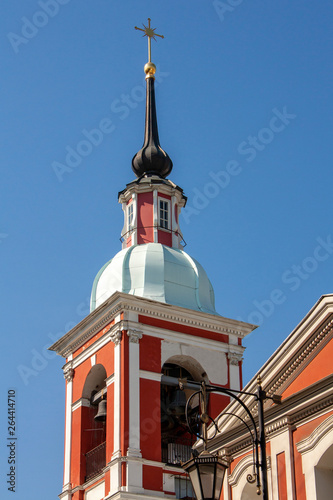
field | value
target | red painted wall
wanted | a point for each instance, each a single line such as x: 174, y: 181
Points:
x: 282, y: 477
x: 150, y: 421
x: 216, y: 404
x: 76, y: 453
x: 93, y: 339
x: 152, y: 478
x: 164, y: 237
x: 145, y: 218
x: 150, y: 354
x: 110, y: 423
x: 320, y: 367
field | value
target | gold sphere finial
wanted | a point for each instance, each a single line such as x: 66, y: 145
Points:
x: 150, y: 70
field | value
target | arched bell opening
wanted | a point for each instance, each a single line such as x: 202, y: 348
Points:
x: 94, y: 413
x: 176, y: 440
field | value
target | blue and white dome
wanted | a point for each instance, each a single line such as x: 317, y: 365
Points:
x: 157, y: 272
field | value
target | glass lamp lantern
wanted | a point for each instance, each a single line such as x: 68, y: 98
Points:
x: 206, y: 473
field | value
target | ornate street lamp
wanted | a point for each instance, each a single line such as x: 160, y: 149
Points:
x: 206, y: 470
x: 206, y: 473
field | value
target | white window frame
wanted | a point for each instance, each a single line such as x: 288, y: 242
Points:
x: 130, y: 216
x: 162, y: 221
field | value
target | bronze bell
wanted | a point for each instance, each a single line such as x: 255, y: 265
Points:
x: 178, y: 403
x: 101, y: 412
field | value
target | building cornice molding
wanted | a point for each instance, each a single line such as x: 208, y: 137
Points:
x: 168, y: 189
x: 300, y: 358
x: 120, y: 302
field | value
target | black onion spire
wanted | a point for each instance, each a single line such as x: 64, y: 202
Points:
x: 151, y: 159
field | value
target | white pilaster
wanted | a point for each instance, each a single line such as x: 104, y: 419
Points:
x: 116, y: 338
x: 124, y: 229
x: 115, y: 468
x: 281, y: 443
x: 134, y: 466
x: 234, y: 359
x: 134, y: 393
x: 174, y: 224
x: 155, y: 215
x: 68, y: 374
x: 134, y: 234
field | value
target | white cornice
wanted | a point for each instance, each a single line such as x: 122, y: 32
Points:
x: 121, y: 302
x: 168, y: 189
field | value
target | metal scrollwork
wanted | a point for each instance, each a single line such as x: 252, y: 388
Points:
x: 251, y: 478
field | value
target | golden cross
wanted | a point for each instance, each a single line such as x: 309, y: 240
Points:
x: 150, y: 33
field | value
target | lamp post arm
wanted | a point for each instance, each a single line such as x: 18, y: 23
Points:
x: 232, y: 394
x: 260, y: 396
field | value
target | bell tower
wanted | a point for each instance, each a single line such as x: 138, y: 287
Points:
x: 152, y: 322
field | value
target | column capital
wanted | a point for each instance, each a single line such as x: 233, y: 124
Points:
x: 134, y: 336
x: 116, y: 336
x: 68, y: 371
x: 235, y: 358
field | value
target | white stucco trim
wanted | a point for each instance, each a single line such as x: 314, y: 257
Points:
x: 213, y: 362
x: 96, y: 492
x: 157, y: 377
x: 134, y: 393
x: 238, y: 478
x: 80, y: 402
x: 155, y: 215
x: 117, y: 402
x: 134, y: 233
x: 282, y: 443
x: 68, y: 432
x: 109, y: 380
x: 96, y: 346
x: 174, y: 225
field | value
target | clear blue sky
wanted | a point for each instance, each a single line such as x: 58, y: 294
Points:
x: 245, y: 112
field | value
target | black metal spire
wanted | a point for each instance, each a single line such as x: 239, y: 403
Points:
x: 151, y: 159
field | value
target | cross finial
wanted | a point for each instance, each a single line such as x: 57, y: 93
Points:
x: 150, y: 33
